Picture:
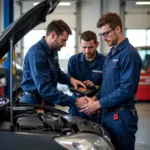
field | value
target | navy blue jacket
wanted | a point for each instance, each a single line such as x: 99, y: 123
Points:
x: 41, y: 72
x: 121, y: 74
x: 78, y: 69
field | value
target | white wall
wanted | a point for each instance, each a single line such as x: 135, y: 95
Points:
x: 112, y: 6
x: 1, y: 15
x: 137, y: 17
x: 90, y: 12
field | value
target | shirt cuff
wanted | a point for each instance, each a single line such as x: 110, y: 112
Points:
x: 103, y: 103
x: 69, y: 83
x: 72, y: 101
x: 97, y: 96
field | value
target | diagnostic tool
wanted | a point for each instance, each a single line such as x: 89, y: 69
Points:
x: 88, y: 91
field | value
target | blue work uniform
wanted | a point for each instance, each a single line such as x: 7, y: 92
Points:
x: 41, y: 72
x: 121, y: 74
x: 79, y: 69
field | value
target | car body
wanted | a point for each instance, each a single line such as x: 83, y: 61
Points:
x: 27, y: 126
x: 144, y: 83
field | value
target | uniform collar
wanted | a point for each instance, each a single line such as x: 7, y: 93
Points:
x: 96, y: 60
x: 45, y: 46
x: 123, y: 44
x: 119, y: 47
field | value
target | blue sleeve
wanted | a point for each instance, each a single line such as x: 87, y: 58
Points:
x: 71, y: 68
x: 129, y: 77
x: 44, y: 82
x: 98, y: 94
x: 63, y: 78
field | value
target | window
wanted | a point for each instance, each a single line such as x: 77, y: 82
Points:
x: 140, y: 37
x: 35, y: 35
x: 148, y: 35
x: 69, y: 50
x: 31, y: 38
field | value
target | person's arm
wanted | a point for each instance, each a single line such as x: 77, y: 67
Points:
x: 71, y: 67
x: 63, y: 78
x: 98, y: 94
x: 68, y: 80
x: 129, y: 77
x: 43, y: 77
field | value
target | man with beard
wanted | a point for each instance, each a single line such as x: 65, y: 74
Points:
x: 87, y: 67
x: 41, y: 71
x: 121, y: 74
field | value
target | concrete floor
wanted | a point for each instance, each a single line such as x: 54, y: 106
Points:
x: 143, y: 133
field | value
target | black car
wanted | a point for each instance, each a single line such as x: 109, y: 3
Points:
x: 36, y: 127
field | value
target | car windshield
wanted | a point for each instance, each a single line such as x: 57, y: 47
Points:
x: 145, y: 56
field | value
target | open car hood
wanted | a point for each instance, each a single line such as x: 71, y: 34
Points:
x: 20, y: 27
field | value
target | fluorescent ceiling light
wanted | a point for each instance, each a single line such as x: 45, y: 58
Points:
x: 64, y: 4
x: 142, y: 3
x: 60, y: 4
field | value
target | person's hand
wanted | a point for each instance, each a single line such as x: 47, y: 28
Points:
x: 75, y: 83
x: 94, y: 98
x: 88, y: 82
x: 90, y: 107
x: 81, y: 101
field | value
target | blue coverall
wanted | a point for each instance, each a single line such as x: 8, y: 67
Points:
x: 78, y: 69
x: 121, y: 74
x: 41, y: 72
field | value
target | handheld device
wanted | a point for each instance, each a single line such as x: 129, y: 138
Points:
x: 88, y: 91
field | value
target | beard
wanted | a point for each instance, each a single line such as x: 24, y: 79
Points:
x: 56, y: 46
x: 114, y: 41
x: 90, y: 56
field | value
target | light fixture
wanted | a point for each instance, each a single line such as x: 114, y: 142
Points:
x: 64, y: 4
x: 142, y: 3
x: 60, y: 4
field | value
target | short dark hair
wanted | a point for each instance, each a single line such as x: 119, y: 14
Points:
x: 59, y: 26
x: 88, y: 36
x: 113, y: 19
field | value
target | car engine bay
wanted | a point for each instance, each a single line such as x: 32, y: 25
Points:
x: 44, y: 119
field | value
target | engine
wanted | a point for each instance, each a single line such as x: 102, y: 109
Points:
x: 27, y: 118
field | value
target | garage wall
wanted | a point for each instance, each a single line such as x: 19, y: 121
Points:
x: 112, y: 6
x: 137, y: 17
x: 61, y: 12
x: 108, y: 6
x: 1, y: 15
x: 90, y: 13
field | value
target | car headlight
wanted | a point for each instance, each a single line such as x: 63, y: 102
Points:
x: 84, y: 141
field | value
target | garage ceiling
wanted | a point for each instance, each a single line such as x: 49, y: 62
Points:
x: 40, y: 0
x: 135, y: 0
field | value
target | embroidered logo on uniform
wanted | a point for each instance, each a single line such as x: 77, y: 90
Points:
x: 115, y: 60
x: 97, y: 71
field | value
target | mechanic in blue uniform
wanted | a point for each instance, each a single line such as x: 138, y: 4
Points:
x: 41, y: 71
x: 121, y: 74
x: 87, y: 67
